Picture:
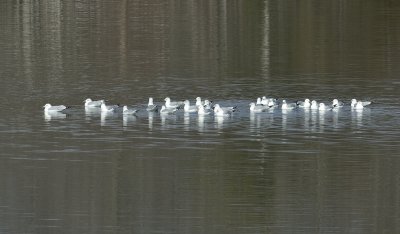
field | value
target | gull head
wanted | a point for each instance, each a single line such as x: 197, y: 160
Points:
x: 124, y: 108
x: 87, y: 101
x: 335, y: 102
x: 47, y: 106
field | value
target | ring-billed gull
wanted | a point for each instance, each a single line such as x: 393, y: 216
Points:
x: 359, y: 105
x: 171, y: 104
x: 354, y: 102
x: 203, y: 111
x: 188, y: 108
x: 314, y: 105
x: 321, y: 107
x: 337, y: 103
x: 168, y: 110
x: 129, y: 111
x: 223, y: 111
x: 108, y: 109
x: 90, y: 103
x: 150, y: 106
x: 257, y: 108
x: 49, y: 108
x: 288, y: 106
x: 304, y: 104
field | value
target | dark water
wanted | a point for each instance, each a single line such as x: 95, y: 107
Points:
x: 276, y: 172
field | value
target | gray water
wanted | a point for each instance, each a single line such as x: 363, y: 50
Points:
x: 276, y: 172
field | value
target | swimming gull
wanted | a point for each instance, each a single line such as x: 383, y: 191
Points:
x: 48, y: 108
x: 168, y: 110
x: 354, y: 102
x: 188, y: 108
x: 129, y: 111
x: 150, y: 106
x: 288, y: 106
x: 169, y: 103
x: 90, y: 103
x: 257, y: 108
x: 304, y: 104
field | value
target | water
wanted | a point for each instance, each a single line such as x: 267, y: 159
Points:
x: 276, y: 172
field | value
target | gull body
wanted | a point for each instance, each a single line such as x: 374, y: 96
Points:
x: 304, y: 104
x: 223, y: 111
x: 48, y: 108
x: 90, y: 103
x: 171, y: 104
x: 167, y: 110
x: 314, y: 105
x: 188, y: 108
x: 359, y: 105
x: 288, y: 106
x: 321, y: 107
x: 354, y: 102
x: 108, y: 109
x: 150, y: 106
x: 127, y: 111
x: 257, y: 108
x: 337, y: 103
x: 203, y: 111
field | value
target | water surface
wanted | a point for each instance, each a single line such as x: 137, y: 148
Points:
x: 276, y: 172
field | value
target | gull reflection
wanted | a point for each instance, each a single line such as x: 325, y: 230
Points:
x: 314, y: 120
x: 104, y: 116
x: 307, y: 119
x: 255, y: 121
x: 284, y: 119
x: 335, y: 117
x: 186, y: 121
x: 91, y: 111
x: 151, y: 116
x: 200, y: 123
x: 126, y: 119
x: 219, y: 121
x: 48, y: 116
x: 357, y: 116
x: 321, y: 120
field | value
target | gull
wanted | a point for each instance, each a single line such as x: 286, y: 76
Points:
x: 223, y: 111
x: 288, y: 106
x: 207, y: 104
x: 258, y: 101
x: 150, y: 106
x: 354, y: 102
x: 188, y: 108
x: 169, y: 103
x: 321, y: 107
x: 127, y: 111
x: 90, y: 103
x: 257, y: 108
x: 337, y: 103
x: 48, y: 108
x: 108, y: 109
x: 269, y: 101
x: 305, y: 104
x: 168, y: 110
x: 198, y: 101
x: 314, y: 105
x: 203, y: 111
x: 359, y: 105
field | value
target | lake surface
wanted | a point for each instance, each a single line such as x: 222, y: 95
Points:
x: 276, y: 172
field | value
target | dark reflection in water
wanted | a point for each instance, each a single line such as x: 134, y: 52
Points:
x: 294, y: 171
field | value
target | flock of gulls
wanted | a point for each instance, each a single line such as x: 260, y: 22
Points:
x: 207, y: 107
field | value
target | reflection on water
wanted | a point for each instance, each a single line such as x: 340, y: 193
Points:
x: 178, y: 173
x: 48, y: 116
